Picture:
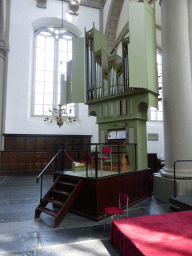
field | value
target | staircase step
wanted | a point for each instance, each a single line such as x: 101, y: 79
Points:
x: 54, y: 196
x: 48, y: 211
x: 61, y: 192
x: 59, y: 203
x: 67, y: 183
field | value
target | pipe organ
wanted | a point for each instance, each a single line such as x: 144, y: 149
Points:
x: 112, y: 75
x: 90, y: 66
x: 98, y: 75
x: 107, y: 74
x: 105, y: 82
x: 119, y: 89
x: 125, y: 64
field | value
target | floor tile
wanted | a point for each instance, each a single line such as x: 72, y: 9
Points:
x: 18, y: 242
x: 23, y: 235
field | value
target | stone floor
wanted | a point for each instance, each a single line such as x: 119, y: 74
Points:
x: 23, y: 235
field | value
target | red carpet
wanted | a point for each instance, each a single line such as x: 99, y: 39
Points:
x: 168, y: 234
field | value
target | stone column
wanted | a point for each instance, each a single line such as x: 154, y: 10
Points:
x: 190, y: 29
x: 4, y: 48
x: 177, y: 86
x: 2, y: 90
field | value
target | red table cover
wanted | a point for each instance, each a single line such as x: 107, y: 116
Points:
x: 168, y: 234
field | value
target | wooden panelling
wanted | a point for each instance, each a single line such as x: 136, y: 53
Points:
x: 24, y: 153
x: 25, y: 162
x: 22, y: 142
x: 152, y: 161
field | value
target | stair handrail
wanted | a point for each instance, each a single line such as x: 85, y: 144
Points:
x: 39, y: 176
x: 175, y: 174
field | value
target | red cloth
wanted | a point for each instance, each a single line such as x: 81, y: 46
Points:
x: 114, y: 210
x: 168, y: 234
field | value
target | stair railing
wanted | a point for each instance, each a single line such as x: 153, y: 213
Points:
x: 44, y: 170
x: 175, y: 174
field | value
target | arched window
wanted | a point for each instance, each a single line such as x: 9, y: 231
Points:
x: 52, y: 53
x: 153, y: 113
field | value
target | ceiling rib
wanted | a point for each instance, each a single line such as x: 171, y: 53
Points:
x: 112, y: 23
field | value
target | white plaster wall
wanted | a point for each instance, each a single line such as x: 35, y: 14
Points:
x: 124, y: 18
x: 4, y: 13
x: 156, y: 146
x: 105, y: 13
x: 18, y: 120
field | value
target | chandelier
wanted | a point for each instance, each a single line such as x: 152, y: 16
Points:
x: 74, y: 6
x: 73, y: 9
x: 60, y: 115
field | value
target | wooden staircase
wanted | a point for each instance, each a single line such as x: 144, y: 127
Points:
x: 61, y: 195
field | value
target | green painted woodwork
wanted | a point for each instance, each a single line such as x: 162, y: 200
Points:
x: 66, y: 86
x: 142, y: 47
x: 134, y: 116
x: 63, y: 100
x: 127, y: 108
x: 78, y: 74
x: 69, y: 82
x: 141, y: 138
x: 136, y: 49
x: 139, y: 127
x: 99, y: 41
x: 153, y: 100
x: 150, y: 37
x: 104, y: 59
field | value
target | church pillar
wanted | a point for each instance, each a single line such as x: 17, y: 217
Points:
x: 177, y: 86
x: 2, y: 90
x: 190, y: 29
x: 4, y: 48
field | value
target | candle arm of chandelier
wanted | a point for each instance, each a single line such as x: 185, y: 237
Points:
x: 60, y: 115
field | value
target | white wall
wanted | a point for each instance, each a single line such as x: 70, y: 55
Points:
x: 3, y: 14
x: 156, y: 146
x: 124, y: 18
x: 18, y: 120
x: 105, y: 14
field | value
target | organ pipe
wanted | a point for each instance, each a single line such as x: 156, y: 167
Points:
x: 115, y: 78
x: 125, y: 63
x: 90, y: 69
